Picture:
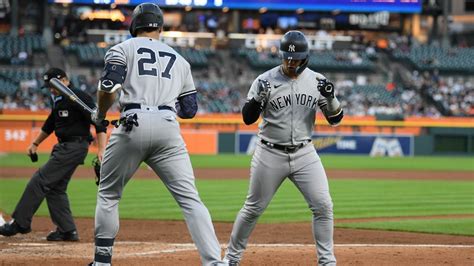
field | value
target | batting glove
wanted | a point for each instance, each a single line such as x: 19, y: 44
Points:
x: 326, y: 88
x: 263, y: 90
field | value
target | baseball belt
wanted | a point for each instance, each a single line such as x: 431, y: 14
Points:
x: 285, y: 148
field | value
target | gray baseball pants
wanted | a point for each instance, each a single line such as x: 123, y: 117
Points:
x: 156, y: 141
x: 269, y: 168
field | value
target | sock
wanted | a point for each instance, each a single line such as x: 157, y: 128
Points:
x: 103, y: 250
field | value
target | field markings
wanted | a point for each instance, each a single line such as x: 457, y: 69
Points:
x: 170, y: 248
x: 31, y: 244
x: 192, y: 247
x: 368, y: 245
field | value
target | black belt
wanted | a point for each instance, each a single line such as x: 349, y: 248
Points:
x: 285, y: 148
x: 75, y: 139
x: 131, y: 106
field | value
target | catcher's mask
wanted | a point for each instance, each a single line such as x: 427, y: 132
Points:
x: 294, y: 46
x: 146, y: 15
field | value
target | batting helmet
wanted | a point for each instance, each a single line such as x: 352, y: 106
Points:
x: 146, y: 15
x: 294, y: 46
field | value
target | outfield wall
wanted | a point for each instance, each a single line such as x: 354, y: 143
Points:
x: 217, y: 133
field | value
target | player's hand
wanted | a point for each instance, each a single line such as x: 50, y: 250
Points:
x: 263, y: 90
x: 326, y: 88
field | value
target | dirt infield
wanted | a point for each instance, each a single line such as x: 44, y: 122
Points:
x: 151, y: 242
x: 168, y: 243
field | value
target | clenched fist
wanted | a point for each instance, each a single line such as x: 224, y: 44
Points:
x: 326, y: 88
x: 263, y: 89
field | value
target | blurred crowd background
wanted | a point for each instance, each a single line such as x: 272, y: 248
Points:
x: 388, y: 60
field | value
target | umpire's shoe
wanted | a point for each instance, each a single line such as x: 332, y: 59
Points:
x: 60, y: 236
x: 12, y: 228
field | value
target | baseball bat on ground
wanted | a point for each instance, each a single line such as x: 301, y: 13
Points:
x: 63, y: 89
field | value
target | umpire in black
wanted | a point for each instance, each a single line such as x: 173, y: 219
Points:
x: 71, y: 124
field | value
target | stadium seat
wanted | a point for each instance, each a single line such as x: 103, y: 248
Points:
x: 430, y: 57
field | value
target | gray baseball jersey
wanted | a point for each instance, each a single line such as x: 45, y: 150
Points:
x: 156, y: 73
x: 286, y: 130
x: 156, y: 76
x: 290, y: 112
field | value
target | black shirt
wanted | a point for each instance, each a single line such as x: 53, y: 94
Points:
x: 68, y: 119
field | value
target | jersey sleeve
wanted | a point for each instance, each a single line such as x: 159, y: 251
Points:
x: 116, y: 55
x: 188, y: 86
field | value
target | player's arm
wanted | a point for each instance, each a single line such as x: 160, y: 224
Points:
x: 328, y: 103
x: 256, y: 100
x: 100, y: 129
x: 251, y: 111
x: 186, y: 104
x: 101, y: 144
x: 111, y: 81
x: 87, y: 99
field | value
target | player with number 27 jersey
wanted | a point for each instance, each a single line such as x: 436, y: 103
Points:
x: 151, y: 64
x: 156, y: 86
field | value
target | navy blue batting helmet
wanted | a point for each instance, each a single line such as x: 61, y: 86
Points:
x: 146, y: 15
x: 294, y: 46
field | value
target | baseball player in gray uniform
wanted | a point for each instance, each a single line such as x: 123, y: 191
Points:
x: 288, y: 97
x: 156, y: 85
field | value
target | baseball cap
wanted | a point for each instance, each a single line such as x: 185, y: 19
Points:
x: 53, y: 73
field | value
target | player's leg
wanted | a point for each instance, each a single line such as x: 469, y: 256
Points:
x: 171, y: 163
x: 57, y: 198
x: 122, y: 157
x: 310, y: 178
x: 268, y: 170
x: 177, y: 175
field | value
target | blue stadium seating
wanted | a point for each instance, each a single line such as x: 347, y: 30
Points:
x: 377, y: 93
x: 11, y: 46
x: 7, y: 87
x: 324, y: 60
x: 430, y: 57
x: 87, y: 54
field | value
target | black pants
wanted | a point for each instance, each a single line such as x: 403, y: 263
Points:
x: 51, y: 181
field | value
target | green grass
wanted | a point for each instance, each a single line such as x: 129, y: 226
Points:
x: 435, y: 163
x: 148, y: 199
x: 458, y: 226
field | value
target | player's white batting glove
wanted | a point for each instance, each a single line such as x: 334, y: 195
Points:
x: 263, y: 90
x: 326, y: 88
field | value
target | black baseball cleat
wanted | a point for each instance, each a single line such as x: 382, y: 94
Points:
x: 12, y: 228
x: 60, y: 236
